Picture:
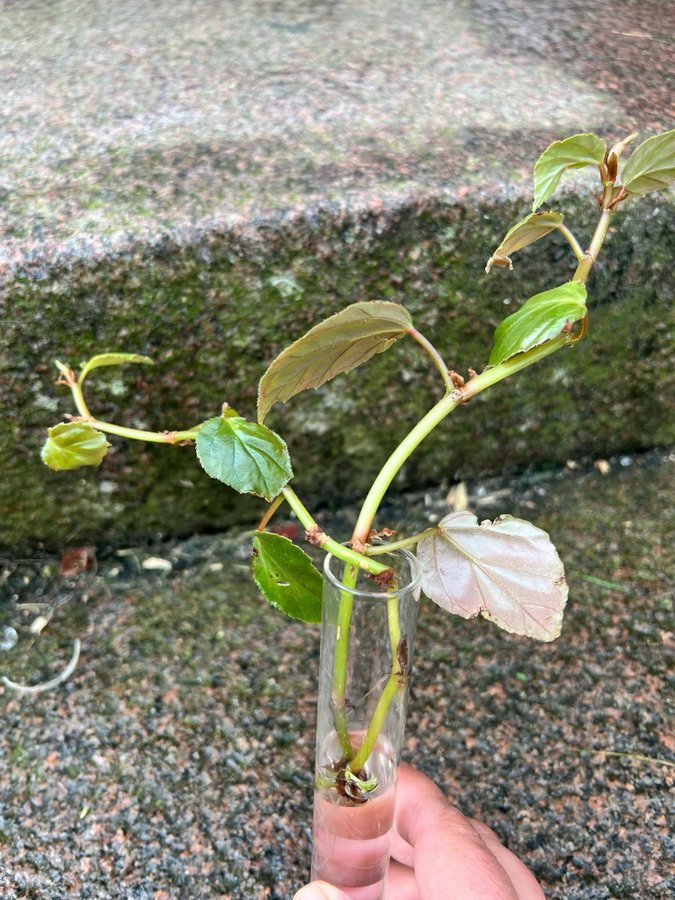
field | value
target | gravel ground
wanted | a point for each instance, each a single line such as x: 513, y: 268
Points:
x: 176, y: 761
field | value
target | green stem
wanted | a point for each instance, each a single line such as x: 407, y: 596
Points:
x: 395, y: 682
x: 473, y: 387
x: 354, y: 561
x: 76, y: 389
x: 435, y: 415
x: 136, y: 434
x: 376, y: 549
x: 339, y: 693
x: 394, y: 625
x: 429, y: 348
x: 591, y: 255
x: 346, y: 554
x: 572, y: 241
x: 387, y: 474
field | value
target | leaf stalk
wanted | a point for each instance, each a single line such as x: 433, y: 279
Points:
x: 436, y: 357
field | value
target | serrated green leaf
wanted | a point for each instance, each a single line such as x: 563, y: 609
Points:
x: 287, y: 577
x: 651, y: 166
x: 112, y: 359
x: 250, y: 458
x: 507, y: 571
x: 573, y: 153
x: 336, y: 345
x: 539, y: 319
x: 523, y: 233
x: 73, y: 444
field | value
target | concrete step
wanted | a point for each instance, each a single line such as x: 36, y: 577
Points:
x: 201, y: 181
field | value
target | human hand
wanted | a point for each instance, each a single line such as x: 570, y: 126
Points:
x: 439, y: 854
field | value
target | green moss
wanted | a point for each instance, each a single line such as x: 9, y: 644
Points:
x: 214, y: 313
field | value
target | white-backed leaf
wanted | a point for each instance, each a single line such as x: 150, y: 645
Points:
x: 507, y: 571
x: 287, y: 577
x: 248, y: 457
x: 523, y: 233
x: 112, y: 359
x: 651, y: 166
x: 336, y: 345
x: 572, y: 153
x: 539, y: 319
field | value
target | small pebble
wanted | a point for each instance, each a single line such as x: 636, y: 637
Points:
x: 156, y: 564
x: 8, y: 638
x: 38, y: 625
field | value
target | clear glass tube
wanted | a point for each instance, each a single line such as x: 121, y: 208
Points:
x: 367, y: 642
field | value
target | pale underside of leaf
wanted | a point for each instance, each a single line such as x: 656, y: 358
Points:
x: 507, y: 571
x: 112, y: 359
x: 523, y: 233
x: 572, y: 153
x: 651, y: 166
x: 337, y: 345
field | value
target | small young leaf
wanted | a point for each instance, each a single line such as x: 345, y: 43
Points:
x: 73, y: 444
x: 336, y: 345
x: 572, y: 153
x: 539, y: 319
x: 250, y: 458
x: 614, y: 154
x: 112, y: 359
x: 287, y: 577
x: 651, y: 166
x: 507, y: 571
x: 523, y: 233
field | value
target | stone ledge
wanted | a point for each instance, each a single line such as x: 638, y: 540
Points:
x: 201, y: 183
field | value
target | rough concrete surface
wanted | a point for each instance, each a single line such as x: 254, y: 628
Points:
x: 201, y: 181
x: 176, y: 762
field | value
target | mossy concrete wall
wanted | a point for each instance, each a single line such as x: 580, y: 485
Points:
x: 214, y: 310
x: 201, y: 181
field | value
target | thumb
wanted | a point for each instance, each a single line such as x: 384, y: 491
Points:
x: 320, y: 890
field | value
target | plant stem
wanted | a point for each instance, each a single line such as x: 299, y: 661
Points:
x: 323, y: 540
x: 473, y: 387
x: 591, y: 255
x: 435, y: 415
x: 446, y: 405
x: 349, y: 579
x: 429, y: 348
x: 391, y: 688
x: 572, y: 241
x: 388, y: 472
x: 137, y: 434
x: 269, y: 512
x: 376, y: 549
x: 394, y: 625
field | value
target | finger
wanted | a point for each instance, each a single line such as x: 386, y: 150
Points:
x: 401, y: 850
x: 523, y: 880
x: 452, y: 862
x: 401, y: 883
x: 320, y: 890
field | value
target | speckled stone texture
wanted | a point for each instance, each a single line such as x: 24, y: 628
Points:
x: 176, y: 761
x: 201, y: 181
